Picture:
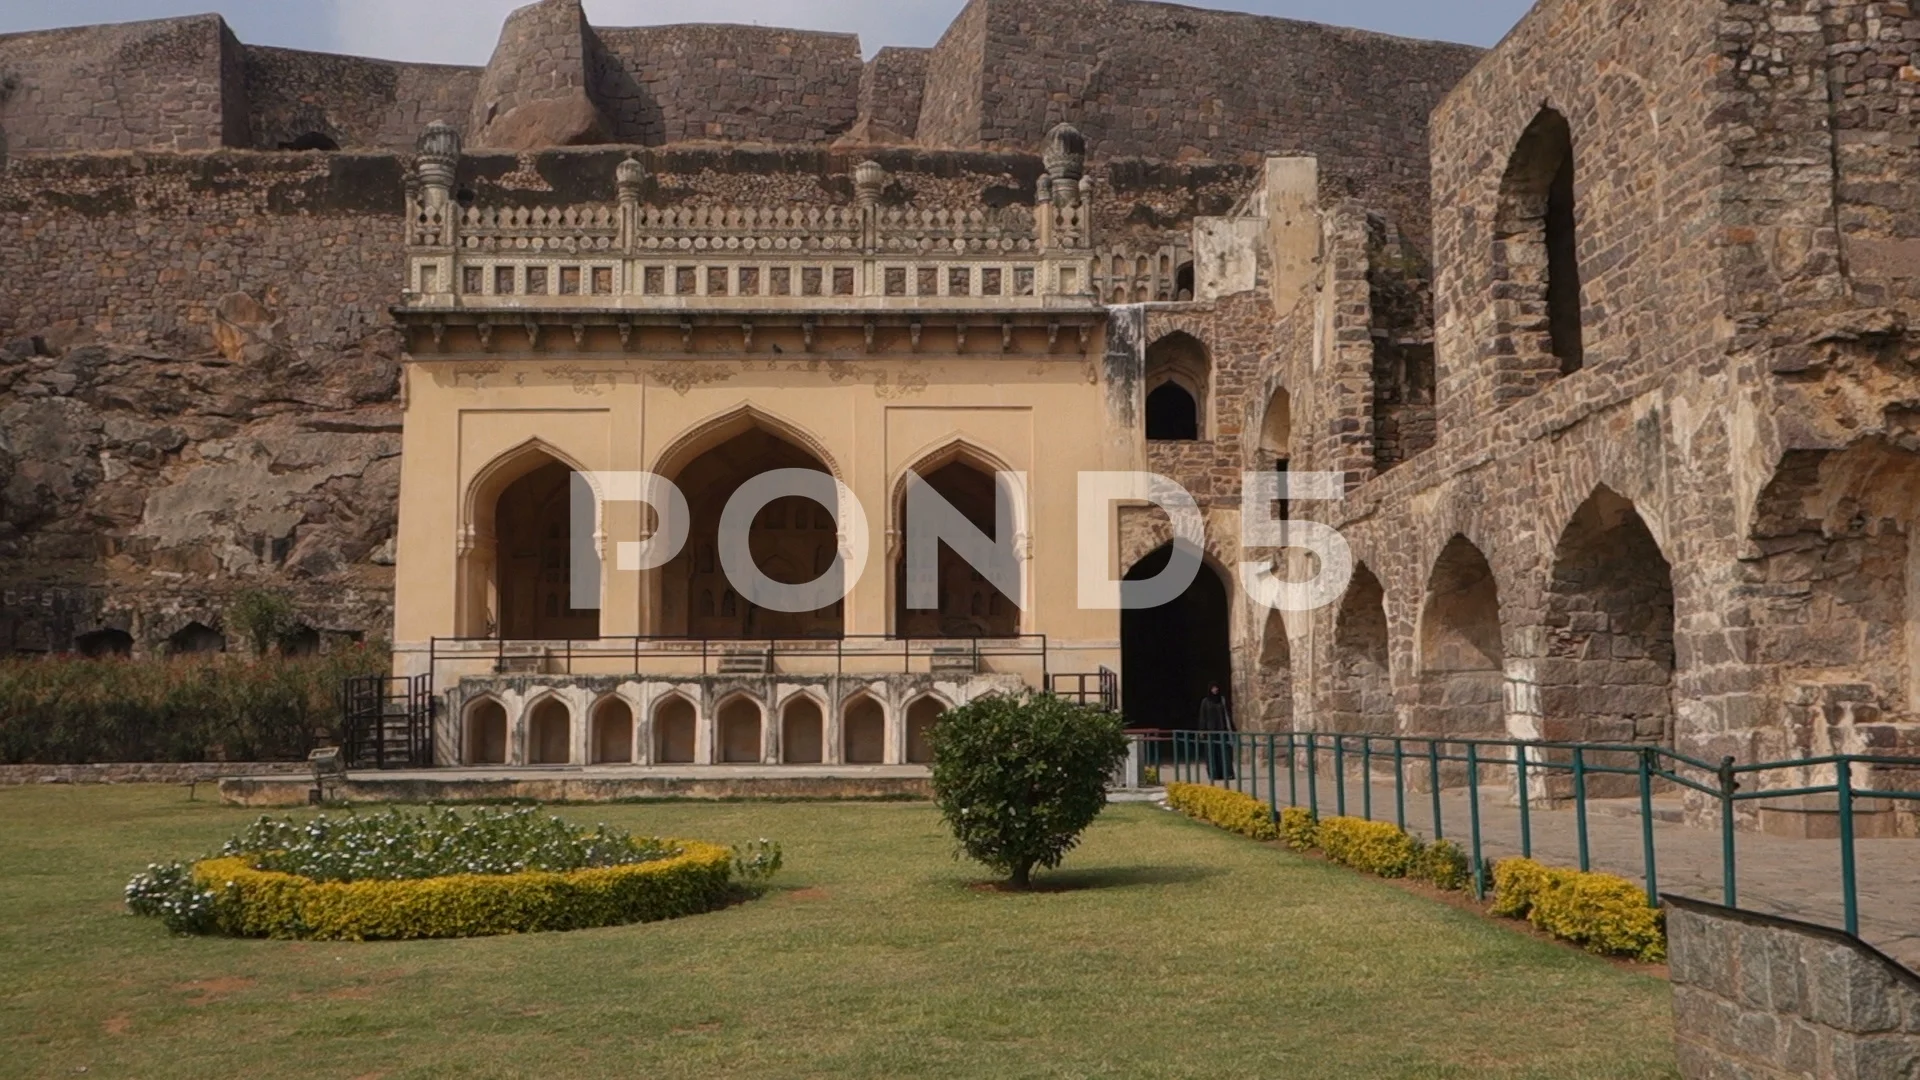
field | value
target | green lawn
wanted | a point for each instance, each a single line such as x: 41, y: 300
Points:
x: 1179, y: 951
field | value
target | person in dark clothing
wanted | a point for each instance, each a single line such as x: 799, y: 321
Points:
x: 1216, y: 721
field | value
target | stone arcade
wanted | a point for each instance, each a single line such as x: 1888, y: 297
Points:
x: 1608, y: 332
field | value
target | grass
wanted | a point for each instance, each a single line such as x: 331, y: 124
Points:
x: 1169, y: 950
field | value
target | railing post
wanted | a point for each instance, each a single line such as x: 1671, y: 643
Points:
x: 1293, y: 772
x: 1366, y: 777
x: 1646, y: 826
x: 1273, y: 781
x: 1849, y: 888
x: 1526, y: 800
x: 1433, y: 782
x: 1580, y: 804
x: 1400, y: 782
x: 1313, y: 775
x: 1340, y: 775
x: 1473, y: 817
x: 1728, y: 879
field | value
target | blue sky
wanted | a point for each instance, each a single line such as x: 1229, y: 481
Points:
x: 463, y: 31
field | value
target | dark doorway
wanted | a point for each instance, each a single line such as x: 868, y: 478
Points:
x: 1170, y: 655
x: 101, y: 643
x: 1172, y: 414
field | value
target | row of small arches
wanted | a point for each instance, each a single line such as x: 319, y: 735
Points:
x: 739, y: 733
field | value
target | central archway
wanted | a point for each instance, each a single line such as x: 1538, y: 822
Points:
x: 971, y: 606
x: 793, y: 541
x: 1170, y: 655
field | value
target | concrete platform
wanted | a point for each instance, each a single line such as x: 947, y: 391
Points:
x: 595, y: 783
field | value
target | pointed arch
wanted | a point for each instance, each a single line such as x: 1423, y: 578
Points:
x: 612, y: 731
x: 1178, y: 383
x: 676, y: 729
x: 1273, y: 680
x: 863, y: 729
x: 1361, y: 690
x: 1537, y: 297
x: 1462, y: 656
x: 502, y: 595
x: 923, y: 713
x: 483, y: 727
x: 723, y: 426
x: 803, y: 729
x: 710, y: 463
x: 510, y: 465
x: 1608, y: 669
x: 549, y: 730
x: 970, y: 477
x: 740, y: 729
x: 1172, y: 655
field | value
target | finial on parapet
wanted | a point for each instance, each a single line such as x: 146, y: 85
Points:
x: 437, y: 156
x: 628, y: 178
x: 1066, y: 160
x: 869, y: 179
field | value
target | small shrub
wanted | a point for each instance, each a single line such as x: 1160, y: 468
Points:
x: 262, y: 617
x: 1376, y: 847
x: 1516, y: 882
x: 1600, y: 912
x: 166, y: 891
x: 1229, y: 810
x: 1443, y: 865
x: 1019, y: 778
x: 756, y: 862
x: 1300, y: 828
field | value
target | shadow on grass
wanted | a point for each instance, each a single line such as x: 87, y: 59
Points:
x: 1106, y: 877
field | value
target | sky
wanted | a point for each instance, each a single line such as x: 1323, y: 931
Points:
x: 464, y: 32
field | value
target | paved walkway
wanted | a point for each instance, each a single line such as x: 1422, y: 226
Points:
x: 1794, y: 878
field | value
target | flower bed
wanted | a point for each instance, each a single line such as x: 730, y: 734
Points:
x: 433, y: 875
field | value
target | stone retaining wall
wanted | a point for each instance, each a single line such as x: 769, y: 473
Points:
x: 1765, y: 998
x: 168, y: 772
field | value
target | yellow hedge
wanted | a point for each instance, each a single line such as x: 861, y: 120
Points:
x: 264, y: 903
x: 1603, y: 913
x: 1299, y: 827
x: 1377, y: 847
x: 1230, y: 810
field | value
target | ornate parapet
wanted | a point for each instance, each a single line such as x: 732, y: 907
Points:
x: 629, y: 257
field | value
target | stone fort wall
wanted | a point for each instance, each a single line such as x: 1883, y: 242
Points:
x: 1732, y: 461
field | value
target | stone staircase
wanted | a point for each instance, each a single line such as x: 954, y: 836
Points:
x: 953, y: 660
x: 746, y: 662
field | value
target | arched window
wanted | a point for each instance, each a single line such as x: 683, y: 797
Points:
x: 1178, y: 373
x: 1536, y: 263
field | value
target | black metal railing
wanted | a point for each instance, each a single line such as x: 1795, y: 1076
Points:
x: 389, y: 721
x: 1100, y: 689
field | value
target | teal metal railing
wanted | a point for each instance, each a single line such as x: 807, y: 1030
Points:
x: 1556, y: 772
